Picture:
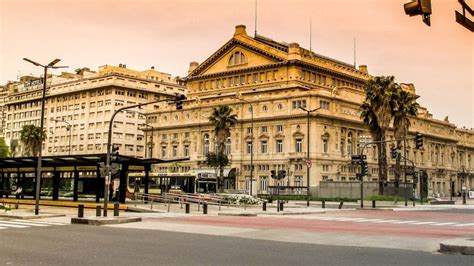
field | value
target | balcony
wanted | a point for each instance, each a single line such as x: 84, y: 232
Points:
x: 297, y: 155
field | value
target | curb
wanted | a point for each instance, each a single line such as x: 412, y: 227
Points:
x: 374, y: 209
x: 236, y: 214
x: 463, y: 246
x: 291, y: 213
x: 104, y: 221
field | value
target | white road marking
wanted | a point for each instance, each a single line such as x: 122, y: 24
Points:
x: 425, y: 223
x: 12, y: 225
x: 41, y: 222
x: 24, y: 223
x: 443, y: 223
x: 470, y: 224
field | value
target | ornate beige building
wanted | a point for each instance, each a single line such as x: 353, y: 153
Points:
x: 79, y: 106
x: 276, y: 78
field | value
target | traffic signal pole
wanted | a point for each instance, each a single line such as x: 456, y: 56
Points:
x: 419, y: 143
x: 109, y: 145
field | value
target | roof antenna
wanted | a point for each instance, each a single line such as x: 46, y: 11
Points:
x: 355, y: 66
x: 310, y: 37
x: 255, y: 33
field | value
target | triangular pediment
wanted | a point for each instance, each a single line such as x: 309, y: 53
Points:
x: 235, y: 55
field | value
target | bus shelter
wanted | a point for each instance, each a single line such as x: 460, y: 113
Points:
x: 72, y: 176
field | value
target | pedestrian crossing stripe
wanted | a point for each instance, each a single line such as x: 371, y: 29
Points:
x: 22, y: 223
x: 5, y: 224
x: 373, y: 220
x: 40, y: 222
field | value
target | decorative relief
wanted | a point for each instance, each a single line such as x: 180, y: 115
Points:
x: 350, y: 111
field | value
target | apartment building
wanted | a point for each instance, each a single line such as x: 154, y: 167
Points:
x: 79, y: 107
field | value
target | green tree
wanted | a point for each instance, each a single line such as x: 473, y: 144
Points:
x: 223, y: 119
x: 30, y: 137
x: 404, y: 107
x: 4, y: 150
x: 376, y: 113
x: 217, y: 161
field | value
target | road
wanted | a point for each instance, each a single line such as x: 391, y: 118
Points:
x: 91, y: 245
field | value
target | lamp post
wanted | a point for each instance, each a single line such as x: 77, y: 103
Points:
x: 69, y: 128
x: 40, y: 153
x: 178, y: 99
x: 308, y: 160
x: 251, y: 141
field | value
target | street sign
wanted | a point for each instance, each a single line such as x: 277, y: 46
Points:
x: 309, y: 163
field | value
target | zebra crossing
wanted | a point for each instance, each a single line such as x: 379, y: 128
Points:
x: 21, y: 224
x: 392, y: 221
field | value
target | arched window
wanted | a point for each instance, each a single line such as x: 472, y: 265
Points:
x: 237, y: 58
x: 206, y: 144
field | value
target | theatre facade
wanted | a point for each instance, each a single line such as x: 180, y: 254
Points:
x: 267, y: 82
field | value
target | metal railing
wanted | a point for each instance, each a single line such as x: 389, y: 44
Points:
x: 182, y: 198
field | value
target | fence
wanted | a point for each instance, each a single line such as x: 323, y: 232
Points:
x: 351, y: 189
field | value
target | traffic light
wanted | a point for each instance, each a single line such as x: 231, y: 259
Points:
x: 281, y: 174
x: 393, y: 152
x: 419, y: 140
x: 364, y: 168
x: 415, y: 177
x: 419, y: 7
x: 115, y: 153
x: 179, y: 101
x: 273, y: 174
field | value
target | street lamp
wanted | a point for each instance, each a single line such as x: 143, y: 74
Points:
x: 69, y: 128
x: 43, y: 97
x: 308, y: 160
x: 251, y: 140
x: 177, y: 99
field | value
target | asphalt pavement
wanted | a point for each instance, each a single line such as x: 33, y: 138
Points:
x: 93, y: 245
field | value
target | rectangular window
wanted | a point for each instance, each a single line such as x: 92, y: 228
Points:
x: 263, y: 146
x: 324, y: 105
x: 279, y: 128
x: 186, y: 150
x: 175, y: 151
x: 263, y: 183
x: 325, y: 145
x: 249, y: 131
x: 299, y: 145
x: 249, y: 147
x: 163, y: 152
x: 279, y: 146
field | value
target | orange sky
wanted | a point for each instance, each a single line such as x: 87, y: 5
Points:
x: 168, y: 34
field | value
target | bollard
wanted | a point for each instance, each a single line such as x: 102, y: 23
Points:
x: 116, y: 209
x: 204, y: 208
x: 340, y: 204
x: 186, y: 207
x: 373, y: 204
x: 323, y: 204
x: 80, y: 211
x: 270, y: 200
x: 264, y: 206
x: 281, y: 206
x: 98, y: 210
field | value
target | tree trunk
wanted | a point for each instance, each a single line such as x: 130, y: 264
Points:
x: 381, y: 147
x: 397, y: 168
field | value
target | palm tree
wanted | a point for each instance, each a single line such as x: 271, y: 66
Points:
x: 30, y: 137
x: 222, y: 119
x: 376, y: 113
x: 405, y: 106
